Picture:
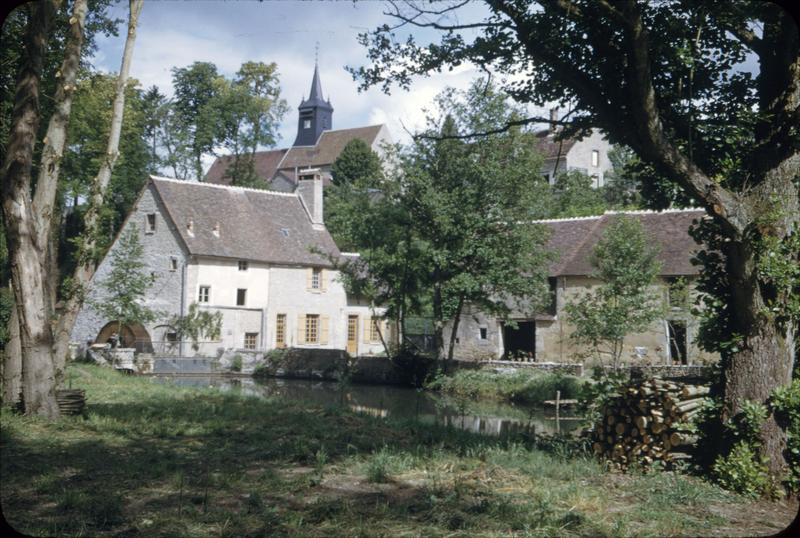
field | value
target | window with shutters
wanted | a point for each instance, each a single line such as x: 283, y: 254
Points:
x: 312, y: 329
x: 280, y: 331
x: 205, y: 294
x: 250, y: 340
x: 374, y: 334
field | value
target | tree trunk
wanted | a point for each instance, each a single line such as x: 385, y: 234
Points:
x: 765, y: 358
x: 86, y: 263
x: 454, y: 332
x: 12, y: 361
x: 25, y: 254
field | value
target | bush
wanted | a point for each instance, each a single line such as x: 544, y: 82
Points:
x: 530, y: 387
x: 742, y: 471
x: 786, y: 404
x: 236, y: 363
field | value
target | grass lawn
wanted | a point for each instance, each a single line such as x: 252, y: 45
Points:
x: 157, y: 460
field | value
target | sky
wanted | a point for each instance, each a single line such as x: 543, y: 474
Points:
x: 228, y: 33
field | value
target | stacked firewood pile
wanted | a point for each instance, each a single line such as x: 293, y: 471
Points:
x: 647, y: 422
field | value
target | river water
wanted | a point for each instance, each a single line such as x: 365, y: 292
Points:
x: 483, y: 417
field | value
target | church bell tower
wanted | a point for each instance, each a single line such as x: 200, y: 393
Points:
x: 316, y: 114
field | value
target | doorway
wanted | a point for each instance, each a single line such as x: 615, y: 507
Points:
x: 677, y: 341
x: 520, y: 343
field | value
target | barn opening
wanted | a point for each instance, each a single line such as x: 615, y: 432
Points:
x: 132, y: 335
x: 677, y: 341
x: 520, y: 342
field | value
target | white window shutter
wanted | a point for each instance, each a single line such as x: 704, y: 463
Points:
x: 301, y: 329
x: 309, y: 273
x: 323, y: 278
x: 323, y: 333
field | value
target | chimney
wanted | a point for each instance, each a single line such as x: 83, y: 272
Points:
x: 316, y: 212
x: 553, y: 119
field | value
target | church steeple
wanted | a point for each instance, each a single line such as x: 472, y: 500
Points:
x: 316, y: 114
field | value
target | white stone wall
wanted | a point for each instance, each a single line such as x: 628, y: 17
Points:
x: 579, y: 157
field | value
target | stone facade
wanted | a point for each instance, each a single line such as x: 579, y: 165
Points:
x: 579, y: 157
x: 551, y: 333
x: 165, y: 257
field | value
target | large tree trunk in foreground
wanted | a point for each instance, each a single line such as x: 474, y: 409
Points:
x: 12, y: 361
x: 766, y: 356
x: 25, y: 253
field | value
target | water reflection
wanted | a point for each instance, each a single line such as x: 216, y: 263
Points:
x: 488, y: 418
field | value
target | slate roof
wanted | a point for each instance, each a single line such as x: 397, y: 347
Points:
x: 550, y: 148
x: 250, y: 223
x: 575, y: 239
x: 328, y: 148
x: 266, y: 164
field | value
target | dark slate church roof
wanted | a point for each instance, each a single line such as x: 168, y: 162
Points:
x: 328, y: 147
x: 266, y: 164
x: 253, y: 224
x: 575, y: 239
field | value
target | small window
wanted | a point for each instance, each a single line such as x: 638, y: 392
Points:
x: 242, y: 265
x: 316, y: 279
x: 172, y: 337
x: 280, y: 331
x: 250, y: 340
x: 173, y: 263
x: 306, y: 124
x: 205, y: 293
x: 151, y: 223
x: 241, y: 297
x: 484, y: 333
x: 595, y: 157
x: 374, y: 334
x: 312, y: 329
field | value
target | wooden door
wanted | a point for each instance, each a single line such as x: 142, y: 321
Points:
x: 352, y: 335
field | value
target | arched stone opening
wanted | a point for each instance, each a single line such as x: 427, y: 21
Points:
x: 132, y: 335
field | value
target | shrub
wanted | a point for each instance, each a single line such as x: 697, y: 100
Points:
x: 236, y: 363
x: 743, y: 471
x: 786, y: 404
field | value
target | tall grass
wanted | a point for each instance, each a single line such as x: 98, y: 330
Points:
x: 523, y: 386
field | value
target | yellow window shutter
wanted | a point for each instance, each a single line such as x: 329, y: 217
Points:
x: 385, y: 330
x: 301, y: 329
x: 367, y: 327
x: 323, y: 333
x: 309, y: 273
x: 323, y: 277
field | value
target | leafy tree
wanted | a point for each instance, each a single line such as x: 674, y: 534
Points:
x: 574, y: 196
x: 622, y: 185
x: 126, y: 285
x: 357, y: 162
x: 458, y: 216
x: 197, y: 325
x: 626, y: 263
x: 197, y: 93
x: 667, y: 79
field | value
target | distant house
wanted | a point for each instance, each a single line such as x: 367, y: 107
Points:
x: 588, y: 155
x: 314, y: 151
x: 544, y: 335
x: 258, y: 257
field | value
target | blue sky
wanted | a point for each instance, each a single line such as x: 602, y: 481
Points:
x: 177, y: 33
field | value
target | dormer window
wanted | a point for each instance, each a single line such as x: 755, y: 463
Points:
x: 190, y: 228
x: 285, y: 232
x: 215, y: 231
